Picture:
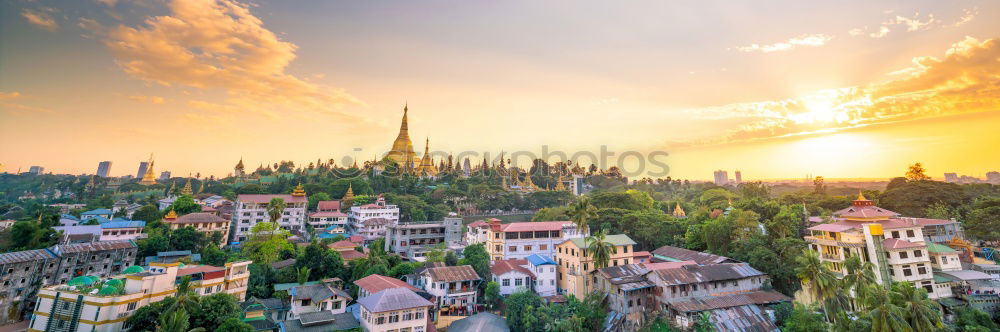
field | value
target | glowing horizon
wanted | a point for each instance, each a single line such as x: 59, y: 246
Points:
x: 854, y: 90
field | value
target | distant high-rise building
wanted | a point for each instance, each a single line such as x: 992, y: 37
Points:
x: 950, y: 177
x: 721, y: 178
x: 739, y: 177
x: 142, y: 169
x: 103, y: 169
x: 36, y: 170
x: 165, y: 175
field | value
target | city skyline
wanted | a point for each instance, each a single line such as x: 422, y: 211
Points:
x: 708, y: 85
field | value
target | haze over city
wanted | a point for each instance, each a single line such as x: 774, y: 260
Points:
x: 776, y: 89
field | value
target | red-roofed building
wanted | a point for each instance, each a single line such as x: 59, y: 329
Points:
x: 522, y: 239
x: 370, y: 220
x: 868, y: 231
x: 376, y: 283
x: 476, y: 232
x: 513, y: 275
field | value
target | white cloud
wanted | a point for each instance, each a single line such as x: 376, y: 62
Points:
x: 968, y: 15
x: 813, y: 40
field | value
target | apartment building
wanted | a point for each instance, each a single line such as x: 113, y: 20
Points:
x: 376, y: 283
x: 523, y: 239
x: 328, y: 215
x: 203, y: 222
x: 576, y: 264
x: 370, y: 220
x: 101, y: 305
x: 321, y: 297
x: 476, y: 231
x: 453, y: 286
x: 252, y: 209
x: 535, y: 273
x: 395, y: 309
x: 207, y: 280
x: 415, y: 239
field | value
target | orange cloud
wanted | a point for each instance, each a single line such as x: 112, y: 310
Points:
x: 7, y: 104
x: 40, y: 19
x: 148, y: 99
x: 964, y: 81
x: 219, y: 44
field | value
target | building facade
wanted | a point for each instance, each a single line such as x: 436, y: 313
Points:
x: 203, y: 222
x: 523, y: 239
x: 252, y: 209
x: 395, y: 309
x: 415, y: 239
x: 370, y: 220
x: 576, y: 265
x: 453, y: 286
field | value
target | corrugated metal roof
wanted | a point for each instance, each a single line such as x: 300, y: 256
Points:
x: 614, y: 239
x: 669, y: 253
x: 537, y: 259
x: 742, y: 318
x: 484, y: 321
x: 726, y: 301
x: 452, y: 273
x: 393, y: 299
x: 25, y: 256
x: 94, y: 246
x: 703, y: 273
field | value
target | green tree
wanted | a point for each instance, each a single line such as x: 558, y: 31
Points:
x: 814, y: 274
x: 147, y: 213
x: 972, y: 320
x: 176, y: 321
x: 860, y: 278
x: 983, y: 222
x: 184, y: 204
x: 314, y: 199
x: 302, y: 275
x: 922, y: 313
x: 491, y: 296
x: 234, y: 325
x: 185, y: 297
x: 146, y: 318
x: 557, y: 213
x: 187, y: 238
x: 214, y: 256
x: 266, y: 242
x: 885, y: 315
x: 580, y: 213
x: 476, y: 256
x: 704, y: 323
x: 450, y: 258
x: 599, y: 249
x: 275, y: 208
x: 437, y: 253
x: 322, y: 262
x: 518, y: 305
x: 804, y: 319
x: 215, y: 310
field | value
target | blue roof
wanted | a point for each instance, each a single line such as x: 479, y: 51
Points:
x: 327, y: 235
x: 68, y: 216
x: 174, y: 253
x: 536, y: 259
x: 97, y: 212
x: 333, y: 227
x: 123, y: 224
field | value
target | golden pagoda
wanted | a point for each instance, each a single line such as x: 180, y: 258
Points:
x: 170, y: 215
x: 427, y: 167
x: 528, y: 184
x: 149, y: 178
x: 299, y: 191
x: 559, y: 184
x: 402, y: 148
x: 678, y: 211
x: 348, y: 198
x: 239, y: 170
x: 187, y: 188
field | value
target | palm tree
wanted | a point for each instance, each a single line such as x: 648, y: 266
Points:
x: 186, y: 298
x: 885, y: 315
x: 922, y: 313
x: 600, y: 249
x: 859, y: 277
x: 302, y: 275
x: 580, y: 212
x: 275, y: 208
x: 176, y: 322
x: 814, y: 274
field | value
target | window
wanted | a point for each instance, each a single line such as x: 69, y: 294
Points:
x: 506, y: 282
x: 907, y: 272
x: 512, y: 248
x: 419, y: 315
x: 394, y: 318
x: 903, y: 255
x: 895, y: 234
x: 909, y: 233
x: 379, y: 320
x: 527, y: 248
x: 131, y: 306
x: 518, y: 282
x: 543, y: 247
x: 918, y: 253
x: 921, y: 270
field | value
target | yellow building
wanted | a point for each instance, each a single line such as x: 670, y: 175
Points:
x: 522, y: 239
x: 576, y: 265
x: 204, y: 222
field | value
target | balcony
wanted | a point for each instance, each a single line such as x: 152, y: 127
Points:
x: 832, y: 257
x: 829, y: 241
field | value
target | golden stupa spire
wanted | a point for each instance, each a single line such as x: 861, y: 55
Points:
x: 170, y: 215
x: 559, y: 184
x: 402, y: 148
x: 678, y: 211
x: 861, y: 197
x: 148, y: 178
x: 348, y: 198
x: 299, y: 191
x: 527, y: 181
x: 187, y: 187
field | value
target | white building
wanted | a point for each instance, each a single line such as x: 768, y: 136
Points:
x: 252, y: 209
x: 318, y: 298
x: 394, y: 309
x: 328, y: 214
x: 476, y: 232
x: 451, y: 285
x: 523, y: 239
x: 370, y: 220
x: 535, y: 273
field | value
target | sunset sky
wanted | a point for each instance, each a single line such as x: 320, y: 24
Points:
x: 777, y: 89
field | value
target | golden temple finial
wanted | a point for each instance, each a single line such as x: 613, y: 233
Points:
x: 559, y: 184
x: 861, y: 196
x: 148, y: 178
x: 170, y: 215
x: 187, y: 187
x: 678, y: 211
x: 299, y: 191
